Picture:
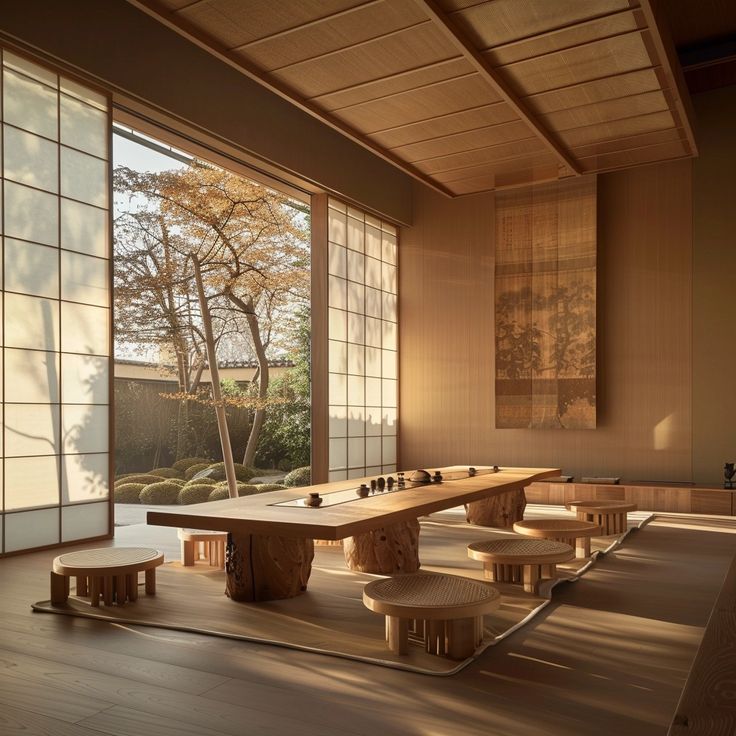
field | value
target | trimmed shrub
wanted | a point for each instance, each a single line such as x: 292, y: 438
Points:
x: 145, y: 478
x: 164, y: 492
x: 219, y: 494
x: 128, y: 492
x: 198, y: 493
x: 267, y: 487
x: 124, y: 475
x: 178, y: 481
x: 221, y: 491
x: 186, y: 462
x: 168, y: 472
x: 298, y: 477
x: 192, y: 470
x: 242, y: 473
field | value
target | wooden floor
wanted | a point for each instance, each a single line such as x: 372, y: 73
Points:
x: 610, y: 656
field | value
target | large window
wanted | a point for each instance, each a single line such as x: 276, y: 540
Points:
x: 363, y: 343
x: 56, y: 307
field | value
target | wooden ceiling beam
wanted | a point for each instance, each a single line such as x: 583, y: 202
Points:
x: 496, y: 82
x: 661, y: 40
x: 210, y: 44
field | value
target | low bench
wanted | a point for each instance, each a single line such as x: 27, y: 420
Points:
x: 525, y: 561
x: 110, y: 573
x: 197, y: 544
x: 570, y: 531
x: 610, y: 516
x: 448, y: 608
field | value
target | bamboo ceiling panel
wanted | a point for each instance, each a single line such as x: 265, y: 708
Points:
x: 465, y: 95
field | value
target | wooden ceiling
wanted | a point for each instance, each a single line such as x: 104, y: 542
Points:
x: 466, y: 95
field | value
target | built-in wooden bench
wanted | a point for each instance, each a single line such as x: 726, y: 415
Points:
x: 449, y: 609
x: 707, y: 706
x: 683, y: 498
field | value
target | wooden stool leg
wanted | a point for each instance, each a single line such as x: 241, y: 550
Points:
x: 132, y: 586
x: 461, y: 638
x: 94, y: 590
x: 82, y: 589
x: 59, y: 588
x: 435, y: 636
x: 582, y: 547
x: 151, y: 581
x: 107, y: 590
x: 121, y: 589
x: 397, y: 633
x: 531, y: 578
x: 187, y: 553
x: 489, y: 571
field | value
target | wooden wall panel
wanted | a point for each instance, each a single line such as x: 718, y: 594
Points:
x: 644, y: 329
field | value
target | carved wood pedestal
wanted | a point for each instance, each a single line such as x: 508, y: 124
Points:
x: 500, y: 511
x: 386, y: 550
x: 267, y: 568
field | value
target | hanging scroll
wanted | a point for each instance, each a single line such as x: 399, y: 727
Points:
x: 545, y: 301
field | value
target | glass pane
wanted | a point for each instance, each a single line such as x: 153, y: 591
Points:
x: 32, y: 376
x: 83, y: 127
x: 390, y: 397
x: 355, y: 235
x: 31, y: 215
x: 356, y: 359
x: 84, y: 279
x: 31, y: 481
x: 29, y: 69
x: 356, y: 473
x: 373, y: 391
x: 336, y: 204
x: 338, y: 324
x: 84, y: 329
x: 356, y: 297
x: 389, y: 335
x: 372, y: 362
x: 390, y: 307
x: 356, y: 390
x: 338, y: 389
x: 337, y: 291
x: 31, y: 269
x: 389, y: 248
x: 30, y: 105
x: 389, y: 422
x: 389, y: 364
x: 31, y: 429
x: 372, y: 302
x: 338, y: 357
x: 83, y: 177
x: 338, y: 421
x: 84, y: 379
x: 356, y: 421
x: 373, y: 273
x: 373, y: 450
x: 85, y: 428
x: 337, y: 475
x: 84, y: 477
x: 356, y: 214
x: 356, y: 453
x: 372, y: 241
x: 337, y: 260
x: 356, y: 328
x: 389, y: 449
x: 31, y: 322
x: 70, y: 87
x: 84, y: 521
x: 374, y: 470
x: 84, y: 228
x: 388, y: 278
x: 337, y: 227
x: 356, y: 266
x: 373, y: 421
x: 373, y: 332
x: 31, y: 160
x: 31, y: 529
x: 338, y: 454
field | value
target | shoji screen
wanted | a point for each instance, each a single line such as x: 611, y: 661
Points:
x: 363, y: 343
x: 56, y: 307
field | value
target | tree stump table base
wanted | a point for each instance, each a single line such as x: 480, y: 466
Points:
x: 261, y: 568
x: 386, y: 550
x: 499, y: 511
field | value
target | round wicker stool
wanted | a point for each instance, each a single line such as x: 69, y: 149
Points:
x: 448, y: 610
x: 570, y: 531
x: 523, y: 560
x: 202, y: 545
x: 609, y: 515
x: 108, y: 572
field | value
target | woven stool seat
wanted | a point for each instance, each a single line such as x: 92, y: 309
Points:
x: 574, y: 532
x: 449, y: 608
x: 107, y: 572
x: 520, y: 560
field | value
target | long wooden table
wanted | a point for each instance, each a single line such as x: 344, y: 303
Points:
x: 271, y: 545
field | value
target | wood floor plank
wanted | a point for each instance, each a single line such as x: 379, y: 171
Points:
x: 17, y: 722
x: 121, y: 721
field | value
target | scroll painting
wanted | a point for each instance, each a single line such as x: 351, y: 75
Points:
x: 545, y: 306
